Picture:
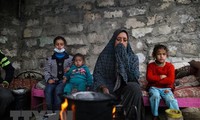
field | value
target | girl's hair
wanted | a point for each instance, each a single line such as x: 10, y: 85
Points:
x: 157, y: 47
x: 59, y: 38
x: 79, y: 55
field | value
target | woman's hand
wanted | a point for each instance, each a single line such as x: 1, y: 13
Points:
x: 105, y: 90
x: 121, y: 52
x: 51, y: 81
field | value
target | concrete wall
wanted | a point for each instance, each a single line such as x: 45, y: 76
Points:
x: 87, y: 25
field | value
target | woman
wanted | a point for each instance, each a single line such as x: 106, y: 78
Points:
x: 54, y: 71
x: 117, y: 72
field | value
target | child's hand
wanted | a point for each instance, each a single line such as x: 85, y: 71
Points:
x: 66, y: 69
x: 166, y: 91
x: 64, y: 79
x: 74, y: 90
x: 51, y: 81
x: 88, y: 88
x: 162, y: 76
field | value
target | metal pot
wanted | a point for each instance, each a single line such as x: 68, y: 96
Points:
x: 92, y: 105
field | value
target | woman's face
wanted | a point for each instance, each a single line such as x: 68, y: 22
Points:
x: 122, y: 38
x: 59, y: 44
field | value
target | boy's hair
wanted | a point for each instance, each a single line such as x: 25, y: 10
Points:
x: 157, y: 47
x: 79, y: 55
x: 59, y: 38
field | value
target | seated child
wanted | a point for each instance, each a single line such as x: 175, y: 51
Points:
x: 160, y: 77
x: 78, y: 76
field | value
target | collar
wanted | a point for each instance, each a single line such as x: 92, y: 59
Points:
x: 65, y: 57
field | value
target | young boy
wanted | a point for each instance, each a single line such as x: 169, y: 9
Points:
x: 78, y: 77
x: 160, y: 76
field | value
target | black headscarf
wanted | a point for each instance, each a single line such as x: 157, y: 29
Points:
x: 113, y: 60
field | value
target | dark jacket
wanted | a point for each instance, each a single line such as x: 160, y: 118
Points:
x: 7, y: 66
x: 51, y: 69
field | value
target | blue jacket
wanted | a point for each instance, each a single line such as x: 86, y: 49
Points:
x: 79, y: 74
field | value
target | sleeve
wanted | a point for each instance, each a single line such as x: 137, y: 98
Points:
x: 89, y: 77
x: 67, y: 74
x: 151, y: 76
x: 133, y: 71
x: 7, y: 66
x: 99, y: 81
x: 47, y: 69
x: 169, y: 80
x: 9, y: 69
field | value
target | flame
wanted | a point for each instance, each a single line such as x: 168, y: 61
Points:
x: 63, y: 110
x: 73, y: 107
x: 114, y: 111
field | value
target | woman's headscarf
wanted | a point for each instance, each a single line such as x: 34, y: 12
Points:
x: 127, y: 66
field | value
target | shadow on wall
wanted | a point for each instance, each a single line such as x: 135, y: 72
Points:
x: 15, y: 8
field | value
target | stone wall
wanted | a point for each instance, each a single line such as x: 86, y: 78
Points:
x: 11, y: 31
x: 87, y: 25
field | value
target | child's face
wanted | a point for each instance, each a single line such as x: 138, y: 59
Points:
x: 59, y: 44
x: 161, y: 55
x: 122, y: 38
x: 78, y: 61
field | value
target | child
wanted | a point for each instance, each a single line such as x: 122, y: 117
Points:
x: 160, y: 77
x: 78, y: 77
x: 54, y: 71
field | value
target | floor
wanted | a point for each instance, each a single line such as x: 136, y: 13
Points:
x: 188, y: 114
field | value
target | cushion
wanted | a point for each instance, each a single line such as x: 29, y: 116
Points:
x: 178, y: 65
x: 187, y: 92
x: 187, y: 81
x: 182, y: 72
x: 196, y: 65
x: 193, y: 92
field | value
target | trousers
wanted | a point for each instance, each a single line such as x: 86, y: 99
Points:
x: 53, y: 94
x: 6, y: 98
x: 156, y: 94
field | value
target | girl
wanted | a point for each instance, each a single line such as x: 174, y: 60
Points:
x: 54, y: 71
x: 78, y: 76
x: 160, y: 77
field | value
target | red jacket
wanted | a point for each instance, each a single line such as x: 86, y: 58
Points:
x: 153, y: 75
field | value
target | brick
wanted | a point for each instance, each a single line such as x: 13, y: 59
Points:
x: 105, y: 3
x: 134, y: 23
x: 113, y: 14
x: 140, y: 32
